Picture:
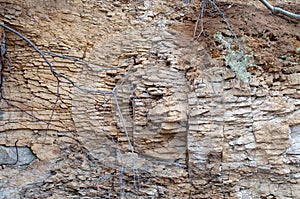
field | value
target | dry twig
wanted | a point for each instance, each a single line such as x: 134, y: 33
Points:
x: 276, y: 10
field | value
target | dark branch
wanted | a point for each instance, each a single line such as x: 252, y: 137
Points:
x: 32, y: 45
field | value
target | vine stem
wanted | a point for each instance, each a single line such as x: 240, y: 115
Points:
x: 279, y: 10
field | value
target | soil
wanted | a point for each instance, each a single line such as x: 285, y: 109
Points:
x: 274, y: 40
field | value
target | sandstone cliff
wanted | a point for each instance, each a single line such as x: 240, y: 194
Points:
x: 145, y: 111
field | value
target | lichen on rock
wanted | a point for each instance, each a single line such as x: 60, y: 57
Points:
x: 236, y: 55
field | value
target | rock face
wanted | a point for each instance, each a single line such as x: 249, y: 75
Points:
x: 138, y: 109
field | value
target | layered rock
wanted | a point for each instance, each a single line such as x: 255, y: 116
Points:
x: 150, y: 115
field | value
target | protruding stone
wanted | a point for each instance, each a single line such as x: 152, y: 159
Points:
x: 16, y: 155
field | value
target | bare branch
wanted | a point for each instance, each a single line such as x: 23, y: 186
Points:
x: 200, y: 20
x: 32, y: 45
x: 55, y: 74
x: 280, y: 10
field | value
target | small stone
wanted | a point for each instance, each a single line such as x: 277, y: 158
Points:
x: 110, y: 14
x: 294, y: 79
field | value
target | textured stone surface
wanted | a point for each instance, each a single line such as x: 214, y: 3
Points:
x: 165, y: 121
x: 15, y: 155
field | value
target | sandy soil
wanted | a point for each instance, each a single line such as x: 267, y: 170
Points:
x: 274, y: 40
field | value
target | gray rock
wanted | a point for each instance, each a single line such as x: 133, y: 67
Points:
x: 10, y: 155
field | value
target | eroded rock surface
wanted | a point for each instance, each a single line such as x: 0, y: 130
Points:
x: 152, y: 115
